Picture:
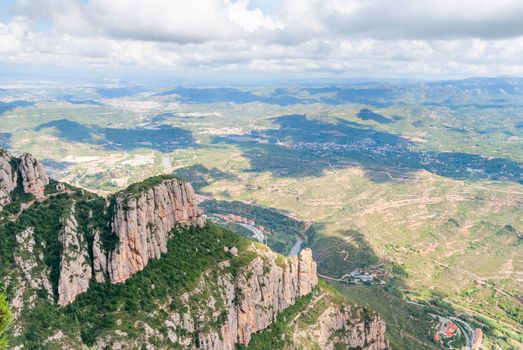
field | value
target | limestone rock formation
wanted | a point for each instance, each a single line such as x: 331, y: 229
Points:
x: 99, y: 259
x: 143, y: 222
x: 28, y: 168
x: 347, y: 327
x: 34, y: 273
x: 226, y: 304
x: 262, y: 295
x: 75, y: 268
x: 8, y: 178
x: 247, y: 303
x: 33, y: 176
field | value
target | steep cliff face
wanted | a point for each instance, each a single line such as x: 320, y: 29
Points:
x: 347, y: 327
x: 75, y: 267
x: 226, y: 309
x: 268, y: 288
x: 34, y: 273
x: 28, y: 169
x: 99, y: 259
x: 7, y: 179
x: 143, y: 223
x: 33, y: 176
x: 214, y: 290
x: 245, y: 303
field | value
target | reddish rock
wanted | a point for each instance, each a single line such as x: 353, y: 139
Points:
x: 33, y: 176
x: 143, y: 223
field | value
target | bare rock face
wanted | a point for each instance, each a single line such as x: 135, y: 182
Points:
x: 143, y: 223
x: 34, y: 275
x: 349, y: 328
x: 306, y: 272
x: 250, y: 302
x: 247, y: 303
x: 99, y: 259
x: 263, y: 294
x: 229, y: 302
x: 8, y: 178
x: 28, y: 168
x: 75, y: 268
x: 33, y: 175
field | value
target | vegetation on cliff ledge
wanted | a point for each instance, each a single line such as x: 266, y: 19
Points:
x: 139, y: 187
x: 106, y: 307
x: 298, y: 318
x: 5, y: 321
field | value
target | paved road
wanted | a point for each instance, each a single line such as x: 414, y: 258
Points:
x: 467, y: 335
x: 259, y: 235
x: 464, y: 327
x: 295, y: 250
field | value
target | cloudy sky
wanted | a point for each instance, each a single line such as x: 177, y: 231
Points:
x: 287, y: 38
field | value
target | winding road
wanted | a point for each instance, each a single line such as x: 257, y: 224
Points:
x: 259, y: 234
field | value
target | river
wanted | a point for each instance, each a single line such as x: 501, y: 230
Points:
x: 295, y: 250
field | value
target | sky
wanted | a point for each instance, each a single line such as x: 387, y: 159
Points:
x: 243, y: 39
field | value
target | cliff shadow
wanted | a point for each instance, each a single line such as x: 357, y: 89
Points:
x: 348, y: 258
x: 341, y: 254
x: 350, y: 252
x: 200, y: 176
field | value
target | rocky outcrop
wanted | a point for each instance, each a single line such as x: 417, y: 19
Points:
x: 34, y: 273
x: 263, y: 293
x: 30, y: 171
x: 75, y: 268
x: 8, y: 178
x: 349, y: 328
x: 99, y: 259
x: 245, y: 304
x: 240, y: 295
x: 143, y: 223
x: 33, y: 176
x: 225, y: 309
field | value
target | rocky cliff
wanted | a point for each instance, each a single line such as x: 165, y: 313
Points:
x: 226, y: 309
x: 199, y: 286
x: 28, y: 169
x: 75, y: 267
x: 249, y: 302
x: 7, y: 179
x: 99, y: 259
x: 33, y: 176
x: 143, y: 222
x: 328, y: 322
x: 34, y: 274
x: 348, y: 328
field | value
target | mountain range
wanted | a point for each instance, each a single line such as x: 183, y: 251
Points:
x: 144, y: 268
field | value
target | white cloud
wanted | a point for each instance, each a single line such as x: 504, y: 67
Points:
x: 161, y: 20
x: 250, y: 20
x: 351, y: 37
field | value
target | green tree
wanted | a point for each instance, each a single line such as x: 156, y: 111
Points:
x: 5, y: 321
